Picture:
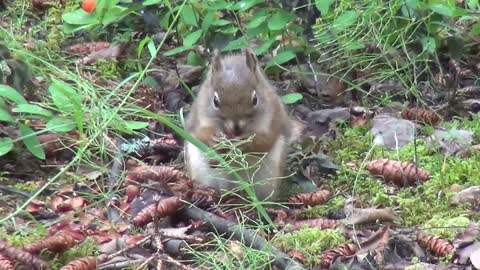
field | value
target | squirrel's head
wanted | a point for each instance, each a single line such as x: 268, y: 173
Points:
x: 237, y: 98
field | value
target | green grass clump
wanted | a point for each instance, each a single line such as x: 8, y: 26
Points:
x: 19, y: 238
x: 310, y: 241
x: 87, y: 247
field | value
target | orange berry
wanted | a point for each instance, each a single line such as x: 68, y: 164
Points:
x: 89, y: 5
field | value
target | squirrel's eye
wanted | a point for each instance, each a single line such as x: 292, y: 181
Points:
x: 254, y: 99
x: 216, y: 101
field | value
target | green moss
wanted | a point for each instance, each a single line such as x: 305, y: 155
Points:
x: 19, y: 237
x: 310, y: 241
x: 332, y: 206
x: 445, y: 226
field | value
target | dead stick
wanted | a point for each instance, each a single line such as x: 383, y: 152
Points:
x: 249, y: 237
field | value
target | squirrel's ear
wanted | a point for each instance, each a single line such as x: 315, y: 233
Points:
x: 216, y: 61
x: 251, y: 59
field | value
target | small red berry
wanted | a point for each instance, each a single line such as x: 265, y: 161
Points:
x: 89, y: 5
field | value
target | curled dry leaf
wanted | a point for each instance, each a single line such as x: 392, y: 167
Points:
x: 161, y: 174
x: 22, y: 256
x: 322, y: 223
x: 368, y: 215
x: 421, y: 115
x: 88, y: 47
x: 468, y: 236
x: 57, y: 243
x: 398, y: 172
x: 163, y: 208
x: 6, y: 263
x: 85, y: 263
x: 311, y: 199
x: 437, y: 245
x: 329, y: 256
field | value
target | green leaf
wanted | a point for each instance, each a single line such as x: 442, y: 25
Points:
x: 60, y: 125
x: 221, y: 22
x: 255, y: 22
x: 176, y: 50
x: 220, y: 4
x: 265, y: 46
x: 32, y: 109
x: 442, y: 9
x: 141, y: 45
x: 345, y: 20
x: 6, y: 144
x: 151, y: 48
x: 80, y: 17
x: 229, y: 30
x: 208, y: 20
x: 31, y: 141
x: 5, y: 116
x: 188, y: 16
x: 291, y: 98
x: 11, y: 94
x: 281, y: 58
x: 246, y: 4
x: 64, y: 97
x: 194, y: 59
x: 236, y: 44
x: 475, y: 30
x: 114, y: 14
x: 151, y: 2
x: 323, y: 6
x: 279, y: 20
x: 413, y: 4
x: 133, y: 125
x: 190, y: 39
x: 428, y: 44
x: 70, y: 28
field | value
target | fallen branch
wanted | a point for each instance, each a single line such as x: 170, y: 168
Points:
x: 249, y: 237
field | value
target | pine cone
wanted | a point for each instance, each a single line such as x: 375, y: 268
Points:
x: 6, y: 263
x: 161, y: 174
x: 57, y: 243
x: 85, y: 263
x: 398, y: 172
x: 22, y: 256
x: 322, y: 223
x: 311, y: 199
x: 437, y: 245
x: 329, y: 256
x: 421, y: 115
x: 163, y: 208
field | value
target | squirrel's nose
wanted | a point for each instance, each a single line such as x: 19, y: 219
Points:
x: 233, y: 128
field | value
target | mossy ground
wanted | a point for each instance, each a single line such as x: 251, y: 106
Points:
x: 425, y: 206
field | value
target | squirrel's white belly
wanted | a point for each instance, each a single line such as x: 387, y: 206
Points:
x: 262, y: 173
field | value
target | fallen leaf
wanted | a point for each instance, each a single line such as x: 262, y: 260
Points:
x: 392, y: 132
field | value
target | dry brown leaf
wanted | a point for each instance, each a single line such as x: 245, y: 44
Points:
x: 368, y: 215
x: 88, y: 47
x: 109, y: 53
